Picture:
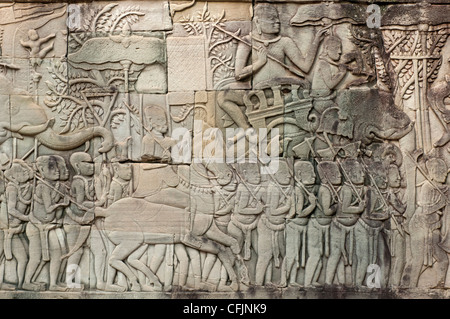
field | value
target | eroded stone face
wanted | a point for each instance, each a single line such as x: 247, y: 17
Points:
x: 164, y: 146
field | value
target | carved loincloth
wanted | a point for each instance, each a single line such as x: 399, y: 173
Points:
x: 247, y: 230
x: 324, y: 236
x: 344, y: 232
x: 8, y: 235
x: 299, y: 232
x: 372, y: 235
x: 275, y: 230
x: 429, y: 223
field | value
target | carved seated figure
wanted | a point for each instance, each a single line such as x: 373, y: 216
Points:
x: 270, y: 48
x: 155, y: 145
x: 328, y: 75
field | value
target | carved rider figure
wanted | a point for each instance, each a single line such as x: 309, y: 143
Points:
x: 267, y: 46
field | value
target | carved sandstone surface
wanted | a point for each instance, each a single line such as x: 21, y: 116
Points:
x: 224, y: 149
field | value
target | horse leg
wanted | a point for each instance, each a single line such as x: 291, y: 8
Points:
x: 118, y: 255
x: 215, y: 234
x: 134, y: 261
x: 183, y: 260
x: 225, y: 255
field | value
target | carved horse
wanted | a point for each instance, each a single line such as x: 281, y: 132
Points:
x: 132, y: 224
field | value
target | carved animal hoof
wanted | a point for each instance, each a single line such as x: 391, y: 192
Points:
x: 167, y: 288
x: 234, y: 286
x: 101, y: 286
x: 135, y: 286
x: 157, y: 286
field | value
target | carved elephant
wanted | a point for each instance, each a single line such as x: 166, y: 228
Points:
x: 373, y: 115
x: 21, y: 116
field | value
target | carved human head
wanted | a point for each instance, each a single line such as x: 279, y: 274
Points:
x: 19, y: 171
x: 63, y: 170
x: 222, y: 171
x: 250, y: 172
x: 283, y: 174
x: 266, y: 19
x: 354, y: 170
x: 82, y: 163
x: 155, y: 119
x: 48, y: 167
x: 333, y: 47
x: 437, y: 169
x: 394, y: 178
x: 304, y: 171
x: 379, y: 174
x: 33, y: 35
x: 329, y: 172
x: 122, y: 170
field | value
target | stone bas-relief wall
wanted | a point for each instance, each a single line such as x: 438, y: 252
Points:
x: 222, y: 147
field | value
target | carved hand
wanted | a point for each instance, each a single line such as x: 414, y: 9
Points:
x: 261, y: 54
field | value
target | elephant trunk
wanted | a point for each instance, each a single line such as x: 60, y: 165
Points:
x: 54, y: 141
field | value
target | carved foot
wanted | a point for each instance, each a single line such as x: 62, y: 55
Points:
x: 32, y: 287
x: 313, y: 285
x: 439, y: 285
x: 150, y: 288
x: 225, y: 288
x: 57, y: 287
x: 7, y: 286
x: 115, y: 288
x: 76, y: 289
x: 207, y: 286
x: 101, y: 286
